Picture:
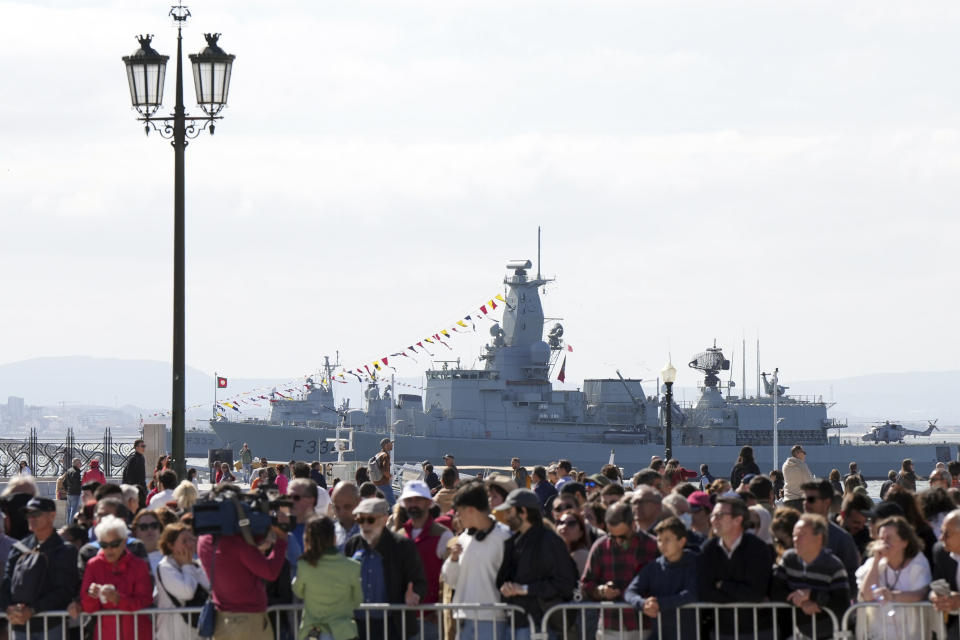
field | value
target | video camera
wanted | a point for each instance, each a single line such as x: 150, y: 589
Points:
x: 232, y: 512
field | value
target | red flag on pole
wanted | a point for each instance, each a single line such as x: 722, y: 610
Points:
x: 563, y: 370
x: 221, y: 383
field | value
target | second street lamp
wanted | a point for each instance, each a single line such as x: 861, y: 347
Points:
x: 669, y: 375
x: 212, y: 69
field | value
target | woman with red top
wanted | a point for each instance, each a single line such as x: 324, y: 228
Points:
x: 116, y: 580
x: 94, y: 474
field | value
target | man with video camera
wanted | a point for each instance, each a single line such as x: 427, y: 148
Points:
x: 237, y: 570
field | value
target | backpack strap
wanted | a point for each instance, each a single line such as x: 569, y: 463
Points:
x: 163, y: 586
x: 243, y: 521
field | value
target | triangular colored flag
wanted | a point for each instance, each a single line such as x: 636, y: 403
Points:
x: 462, y: 323
x: 483, y: 308
x: 569, y: 348
x: 493, y: 305
x: 384, y: 361
x: 500, y: 298
x: 444, y: 332
x: 563, y: 370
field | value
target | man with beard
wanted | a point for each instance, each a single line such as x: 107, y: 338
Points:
x: 614, y: 561
x: 390, y: 572
x: 431, y: 540
x: 537, y: 571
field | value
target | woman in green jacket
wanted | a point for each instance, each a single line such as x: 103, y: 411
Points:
x: 328, y: 583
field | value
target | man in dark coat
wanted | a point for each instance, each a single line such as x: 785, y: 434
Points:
x: 51, y: 583
x: 735, y: 566
x: 73, y: 485
x: 391, y: 570
x: 537, y: 571
x: 135, y: 472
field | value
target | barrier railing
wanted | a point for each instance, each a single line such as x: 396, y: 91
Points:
x: 377, y: 621
x: 574, y: 621
x: 759, y: 621
x: 894, y: 621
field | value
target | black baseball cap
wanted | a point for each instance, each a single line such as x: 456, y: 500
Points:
x: 38, y: 504
x: 520, y: 498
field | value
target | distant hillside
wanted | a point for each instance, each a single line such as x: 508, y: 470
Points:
x: 914, y: 396
x: 145, y: 384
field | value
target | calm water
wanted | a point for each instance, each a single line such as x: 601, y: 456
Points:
x: 873, y: 487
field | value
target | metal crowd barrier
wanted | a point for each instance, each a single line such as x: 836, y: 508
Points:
x: 895, y: 621
x: 285, y: 620
x: 575, y: 621
x: 763, y: 622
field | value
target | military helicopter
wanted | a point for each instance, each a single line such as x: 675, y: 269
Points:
x: 892, y: 432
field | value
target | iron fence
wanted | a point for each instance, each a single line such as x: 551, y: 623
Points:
x: 49, y: 458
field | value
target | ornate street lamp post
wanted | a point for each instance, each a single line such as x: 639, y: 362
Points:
x: 211, y: 76
x: 669, y: 376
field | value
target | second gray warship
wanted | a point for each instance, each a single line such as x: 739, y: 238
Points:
x: 509, y: 407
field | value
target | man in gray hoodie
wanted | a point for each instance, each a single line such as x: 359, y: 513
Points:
x: 795, y: 473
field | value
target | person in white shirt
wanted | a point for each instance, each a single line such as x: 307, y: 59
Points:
x: 168, y: 482
x: 471, y: 568
x: 181, y: 582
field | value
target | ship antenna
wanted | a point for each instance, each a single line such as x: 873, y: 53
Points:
x: 743, y: 365
x: 538, y: 252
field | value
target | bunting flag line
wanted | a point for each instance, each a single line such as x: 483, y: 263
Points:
x: 466, y: 324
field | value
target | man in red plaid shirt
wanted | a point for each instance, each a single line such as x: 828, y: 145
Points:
x: 614, y: 561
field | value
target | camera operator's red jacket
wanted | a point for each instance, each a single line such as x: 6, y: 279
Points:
x: 241, y: 569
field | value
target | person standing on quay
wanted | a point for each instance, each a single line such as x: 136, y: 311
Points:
x: 246, y: 462
x: 795, y: 473
x: 72, y: 480
x: 386, y: 477
x: 135, y: 472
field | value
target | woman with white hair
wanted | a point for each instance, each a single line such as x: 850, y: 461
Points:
x: 186, y: 495
x: 116, y: 580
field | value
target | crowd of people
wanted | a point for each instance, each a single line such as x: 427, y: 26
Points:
x: 651, y: 542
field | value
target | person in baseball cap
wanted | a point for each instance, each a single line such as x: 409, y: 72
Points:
x: 537, y: 571
x: 700, y: 508
x: 40, y: 504
x: 399, y: 578
x: 430, y: 537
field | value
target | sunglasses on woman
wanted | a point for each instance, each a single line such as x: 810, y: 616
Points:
x: 111, y: 545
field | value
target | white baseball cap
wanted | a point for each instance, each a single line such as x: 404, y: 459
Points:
x: 416, y: 489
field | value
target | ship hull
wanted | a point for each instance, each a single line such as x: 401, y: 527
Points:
x: 283, y: 443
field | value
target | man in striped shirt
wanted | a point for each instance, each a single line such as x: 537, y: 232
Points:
x: 811, y: 578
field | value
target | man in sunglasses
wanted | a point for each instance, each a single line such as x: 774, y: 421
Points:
x: 613, y: 562
x: 391, y: 571
x: 818, y: 496
x: 135, y: 472
x: 303, y: 493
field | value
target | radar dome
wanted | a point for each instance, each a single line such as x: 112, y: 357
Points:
x: 540, y: 352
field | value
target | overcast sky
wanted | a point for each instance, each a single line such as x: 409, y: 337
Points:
x: 701, y: 170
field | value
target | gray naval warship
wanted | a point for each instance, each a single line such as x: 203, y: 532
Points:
x: 509, y: 408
